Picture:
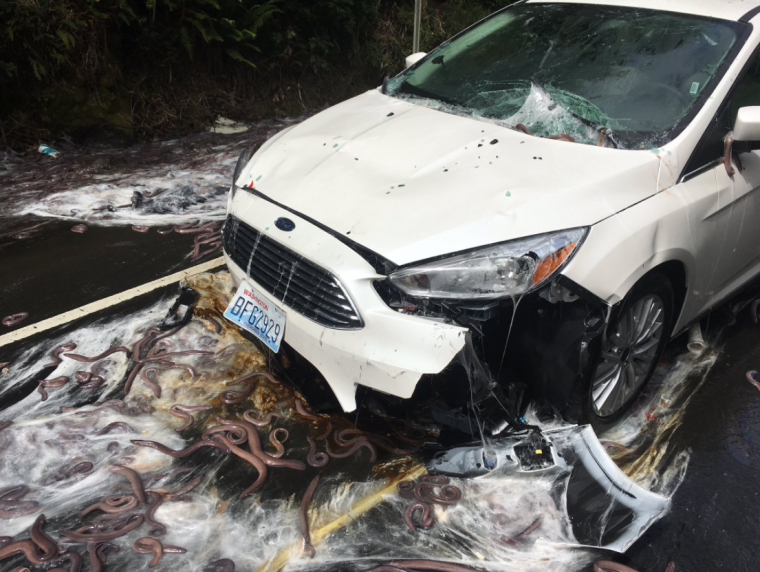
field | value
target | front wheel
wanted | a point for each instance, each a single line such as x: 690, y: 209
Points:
x: 630, y: 351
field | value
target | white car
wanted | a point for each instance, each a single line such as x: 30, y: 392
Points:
x: 541, y: 202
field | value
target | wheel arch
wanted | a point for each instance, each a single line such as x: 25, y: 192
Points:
x: 556, y: 356
x: 676, y: 273
x: 631, y: 331
x: 611, y: 281
x: 653, y: 236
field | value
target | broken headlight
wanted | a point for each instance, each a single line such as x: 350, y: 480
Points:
x: 507, y: 269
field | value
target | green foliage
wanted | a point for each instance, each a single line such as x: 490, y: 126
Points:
x: 392, y: 39
x: 231, y: 25
x: 45, y: 38
x: 162, y: 65
x: 317, y: 34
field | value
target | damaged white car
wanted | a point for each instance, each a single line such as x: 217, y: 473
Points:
x: 537, y: 206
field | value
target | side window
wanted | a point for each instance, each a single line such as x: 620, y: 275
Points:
x: 745, y: 93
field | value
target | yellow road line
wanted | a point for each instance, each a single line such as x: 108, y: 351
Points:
x: 363, y: 505
x: 87, y: 309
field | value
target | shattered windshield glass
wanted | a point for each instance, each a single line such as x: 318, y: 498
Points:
x: 558, y: 70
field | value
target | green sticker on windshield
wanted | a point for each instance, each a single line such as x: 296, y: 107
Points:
x: 694, y: 88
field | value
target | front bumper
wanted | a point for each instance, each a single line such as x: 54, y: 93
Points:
x: 390, y: 353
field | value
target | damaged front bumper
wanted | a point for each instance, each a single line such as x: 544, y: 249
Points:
x: 388, y: 342
x: 389, y: 353
x: 605, y: 508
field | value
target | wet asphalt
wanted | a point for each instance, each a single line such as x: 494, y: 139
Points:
x: 713, y: 523
x: 56, y: 270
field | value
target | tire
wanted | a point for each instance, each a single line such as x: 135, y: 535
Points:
x: 629, y: 353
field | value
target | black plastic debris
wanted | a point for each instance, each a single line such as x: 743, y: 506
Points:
x: 137, y: 199
x: 223, y: 565
x: 181, y: 311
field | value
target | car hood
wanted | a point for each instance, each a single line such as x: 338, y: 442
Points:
x: 411, y: 182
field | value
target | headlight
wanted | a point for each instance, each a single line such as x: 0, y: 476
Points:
x: 242, y: 161
x: 507, y: 269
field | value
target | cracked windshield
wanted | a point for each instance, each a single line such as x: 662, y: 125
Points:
x: 573, y: 70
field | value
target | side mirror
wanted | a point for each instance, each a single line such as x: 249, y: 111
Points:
x: 414, y: 58
x: 747, y: 126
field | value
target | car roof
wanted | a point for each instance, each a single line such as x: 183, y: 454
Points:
x: 743, y: 10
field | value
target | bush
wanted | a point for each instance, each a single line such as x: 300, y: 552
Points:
x: 45, y: 38
x: 441, y: 20
x: 153, y: 66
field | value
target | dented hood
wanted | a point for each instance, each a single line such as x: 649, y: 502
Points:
x: 411, y: 183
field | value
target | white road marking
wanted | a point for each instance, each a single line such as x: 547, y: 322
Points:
x: 87, y: 309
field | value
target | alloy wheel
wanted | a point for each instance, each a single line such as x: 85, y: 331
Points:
x: 628, y: 355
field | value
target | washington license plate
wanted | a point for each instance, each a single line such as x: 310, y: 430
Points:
x: 253, y: 311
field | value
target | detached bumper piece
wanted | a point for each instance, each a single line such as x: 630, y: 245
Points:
x: 525, y: 454
x: 605, y: 508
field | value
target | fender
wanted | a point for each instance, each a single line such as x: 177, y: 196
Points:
x: 620, y: 250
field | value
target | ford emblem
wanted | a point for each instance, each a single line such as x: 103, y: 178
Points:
x: 284, y: 224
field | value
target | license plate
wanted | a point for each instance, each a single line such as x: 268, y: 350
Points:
x: 254, y: 312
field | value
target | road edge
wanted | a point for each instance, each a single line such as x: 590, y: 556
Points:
x: 91, y: 308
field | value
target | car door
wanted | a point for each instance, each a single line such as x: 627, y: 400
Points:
x: 723, y: 209
x: 709, y: 212
x: 740, y: 261
x: 743, y: 256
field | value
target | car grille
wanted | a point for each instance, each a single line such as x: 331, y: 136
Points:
x: 309, y: 289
